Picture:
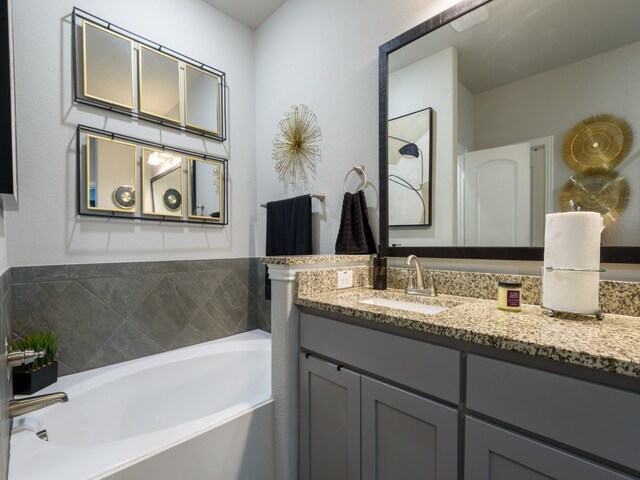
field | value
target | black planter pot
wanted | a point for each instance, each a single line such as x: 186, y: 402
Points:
x: 26, y: 383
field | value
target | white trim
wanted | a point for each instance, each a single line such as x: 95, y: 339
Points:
x: 547, y: 143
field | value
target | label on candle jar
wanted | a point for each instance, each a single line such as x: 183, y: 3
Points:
x: 509, y: 296
x: 513, y: 298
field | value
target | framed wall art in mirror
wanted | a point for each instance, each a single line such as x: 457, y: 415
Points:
x: 159, y: 85
x: 119, y: 71
x: 107, y: 61
x: 507, y: 81
x: 162, y: 178
x: 205, y: 189
x: 410, y: 166
x: 117, y: 174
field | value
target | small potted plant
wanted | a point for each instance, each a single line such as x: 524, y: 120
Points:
x: 42, y: 372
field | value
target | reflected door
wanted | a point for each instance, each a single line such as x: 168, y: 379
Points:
x: 497, y: 196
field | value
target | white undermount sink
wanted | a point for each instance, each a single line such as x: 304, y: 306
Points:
x: 402, y: 305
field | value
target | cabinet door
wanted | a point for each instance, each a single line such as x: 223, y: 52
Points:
x: 329, y: 421
x: 492, y: 453
x: 405, y: 436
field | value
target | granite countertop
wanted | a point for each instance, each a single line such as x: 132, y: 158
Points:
x: 315, y: 259
x: 611, y: 345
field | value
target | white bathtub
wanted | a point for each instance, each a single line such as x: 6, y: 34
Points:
x: 198, y: 412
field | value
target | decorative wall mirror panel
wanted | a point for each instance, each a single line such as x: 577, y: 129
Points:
x: 508, y: 81
x: 111, y: 175
x: 159, y: 79
x: 162, y: 182
x: 117, y: 174
x: 107, y: 66
x: 117, y: 70
x: 202, y: 93
x: 205, y: 192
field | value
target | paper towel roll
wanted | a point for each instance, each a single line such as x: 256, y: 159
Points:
x: 572, y: 240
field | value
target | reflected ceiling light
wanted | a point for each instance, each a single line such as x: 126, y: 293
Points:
x: 471, y: 19
x: 160, y: 158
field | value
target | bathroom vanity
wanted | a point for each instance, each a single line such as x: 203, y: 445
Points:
x: 470, y: 392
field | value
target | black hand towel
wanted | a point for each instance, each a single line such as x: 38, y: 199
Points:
x: 355, y: 234
x: 288, y: 230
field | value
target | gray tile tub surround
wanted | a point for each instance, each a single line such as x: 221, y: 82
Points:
x: 113, y: 312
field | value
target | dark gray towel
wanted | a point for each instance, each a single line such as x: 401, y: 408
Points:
x: 288, y: 230
x: 355, y: 234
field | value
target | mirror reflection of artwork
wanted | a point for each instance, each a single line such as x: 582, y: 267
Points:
x: 111, y: 174
x: 205, y: 192
x: 202, y: 92
x: 108, y: 66
x: 409, y: 156
x: 161, y: 183
x: 159, y: 85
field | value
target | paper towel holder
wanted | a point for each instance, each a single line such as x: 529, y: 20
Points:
x: 551, y: 312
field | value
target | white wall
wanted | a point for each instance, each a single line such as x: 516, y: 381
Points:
x: 324, y: 54
x: 4, y: 261
x: 431, y: 82
x: 553, y: 102
x: 45, y: 229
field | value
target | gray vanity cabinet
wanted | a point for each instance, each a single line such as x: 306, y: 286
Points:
x: 352, y: 426
x: 329, y: 421
x: 493, y: 453
x: 406, y: 436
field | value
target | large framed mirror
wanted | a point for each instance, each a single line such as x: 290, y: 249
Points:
x: 107, y: 66
x: 508, y: 82
x: 159, y: 84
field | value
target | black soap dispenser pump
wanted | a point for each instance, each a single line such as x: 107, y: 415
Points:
x: 379, y: 271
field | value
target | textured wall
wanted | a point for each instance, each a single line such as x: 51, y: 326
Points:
x: 109, y: 313
x: 47, y: 119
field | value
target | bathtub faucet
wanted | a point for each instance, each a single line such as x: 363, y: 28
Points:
x: 31, y: 404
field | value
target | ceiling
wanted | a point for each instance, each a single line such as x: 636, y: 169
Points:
x: 522, y: 38
x: 250, y: 13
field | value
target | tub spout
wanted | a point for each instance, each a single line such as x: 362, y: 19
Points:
x: 31, y: 404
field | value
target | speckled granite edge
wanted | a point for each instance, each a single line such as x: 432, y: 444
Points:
x: 620, y: 298
x: 311, y: 259
x: 611, y: 346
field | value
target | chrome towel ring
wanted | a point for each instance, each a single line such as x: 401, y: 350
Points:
x: 359, y: 169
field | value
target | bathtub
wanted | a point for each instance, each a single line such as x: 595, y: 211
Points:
x: 201, y: 412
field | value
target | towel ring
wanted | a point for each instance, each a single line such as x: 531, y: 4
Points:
x: 359, y: 169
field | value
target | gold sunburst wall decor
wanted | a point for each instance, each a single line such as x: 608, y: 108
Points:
x: 294, y: 148
x: 600, y: 190
x: 599, y: 141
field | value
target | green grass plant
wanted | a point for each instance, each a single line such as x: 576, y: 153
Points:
x: 47, y: 341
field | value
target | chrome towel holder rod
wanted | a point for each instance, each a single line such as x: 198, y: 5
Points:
x: 319, y: 195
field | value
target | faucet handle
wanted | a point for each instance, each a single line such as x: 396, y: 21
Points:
x: 410, y: 281
x: 431, y: 287
x: 23, y: 357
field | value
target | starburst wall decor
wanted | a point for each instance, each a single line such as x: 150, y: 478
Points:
x: 294, y: 148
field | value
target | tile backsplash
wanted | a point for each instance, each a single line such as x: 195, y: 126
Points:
x: 113, y: 312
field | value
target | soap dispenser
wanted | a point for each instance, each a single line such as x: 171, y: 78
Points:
x: 379, y: 271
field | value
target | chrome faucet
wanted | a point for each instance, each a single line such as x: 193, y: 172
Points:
x: 419, y: 288
x: 31, y: 404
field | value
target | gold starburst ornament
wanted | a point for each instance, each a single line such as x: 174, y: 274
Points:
x: 294, y: 148
x: 597, y: 190
x: 600, y: 141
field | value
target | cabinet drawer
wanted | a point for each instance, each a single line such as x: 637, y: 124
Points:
x: 427, y: 368
x: 596, y: 419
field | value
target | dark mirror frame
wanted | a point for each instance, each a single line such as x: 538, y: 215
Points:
x: 608, y: 254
